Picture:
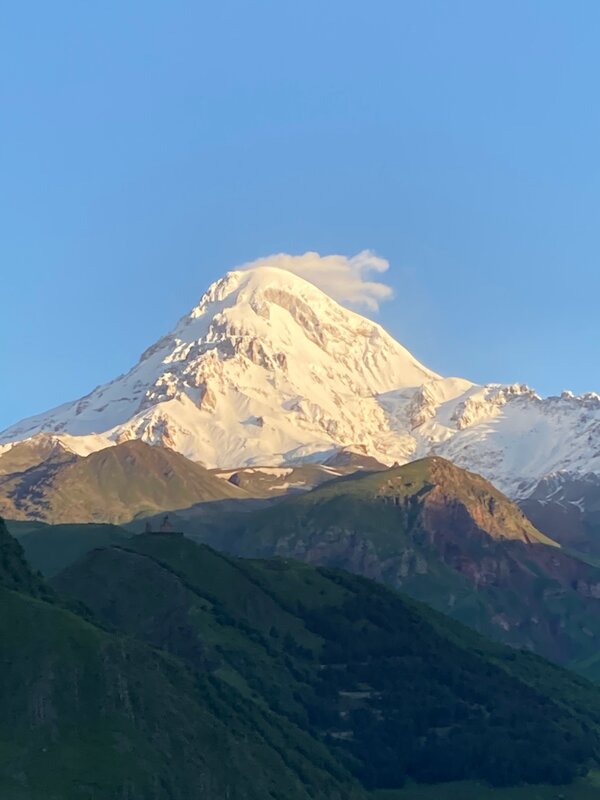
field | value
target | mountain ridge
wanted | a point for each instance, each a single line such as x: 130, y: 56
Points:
x: 115, y: 484
x: 268, y: 370
x: 441, y: 535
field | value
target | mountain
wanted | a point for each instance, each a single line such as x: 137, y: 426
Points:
x: 22, y: 456
x: 444, y: 536
x: 350, y: 459
x: 567, y: 508
x: 269, y: 482
x: 92, y: 713
x: 115, y: 485
x: 392, y: 688
x: 265, y: 367
x: 268, y: 370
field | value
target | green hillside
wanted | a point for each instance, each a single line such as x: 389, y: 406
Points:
x: 93, y: 714
x: 442, y: 535
x: 391, y: 687
x: 15, y: 572
x: 51, y: 548
x: 20, y: 527
x: 587, y: 788
x: 190, y: 671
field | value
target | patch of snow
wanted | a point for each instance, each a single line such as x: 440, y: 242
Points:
x: 286, y: 485
x: 274, y: 472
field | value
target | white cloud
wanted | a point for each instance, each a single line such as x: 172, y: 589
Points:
x: 344, y: 279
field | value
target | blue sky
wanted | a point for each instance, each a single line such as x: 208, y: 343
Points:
x: 146, y: 148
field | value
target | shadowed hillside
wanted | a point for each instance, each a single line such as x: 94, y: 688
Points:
x: 90, y: 713
x: 393, y: 688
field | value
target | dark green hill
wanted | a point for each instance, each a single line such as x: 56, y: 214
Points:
x: 15, y: 572
x: 21, y: 527
x: 392, y: 687
x: 443, y: 535
x: 51, y: 548
x: 93, y: 714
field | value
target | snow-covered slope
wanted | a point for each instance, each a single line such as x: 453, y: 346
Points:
x: 509, y: 434
x: 267, y: 369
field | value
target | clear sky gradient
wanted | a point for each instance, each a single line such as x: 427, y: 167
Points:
x: 147, y: 147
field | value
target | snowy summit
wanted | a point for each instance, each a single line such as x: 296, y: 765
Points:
x: 269, y: 370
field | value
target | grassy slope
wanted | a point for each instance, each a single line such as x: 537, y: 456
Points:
x: 412, y: 483
x: 20, y: 527
x: 86, y: 713
x: 391, y: 684
x: 388, y: 545
x: 588, y: 667
x: 90, y: 714
x: 51, y: 548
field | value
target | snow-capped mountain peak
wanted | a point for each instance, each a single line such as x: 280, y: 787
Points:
x: 267, y: 370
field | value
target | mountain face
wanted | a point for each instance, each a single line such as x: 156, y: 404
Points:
x: 43, y: 448
x: 567, y: 508
x: 267, y: 370
x: 115, y: 484
x: 444, y: 536
x: 393, y: 689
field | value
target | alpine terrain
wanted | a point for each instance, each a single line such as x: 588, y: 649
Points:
x: 269, y: 370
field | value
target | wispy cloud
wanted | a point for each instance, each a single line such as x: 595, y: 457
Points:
x: 341, y: 277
